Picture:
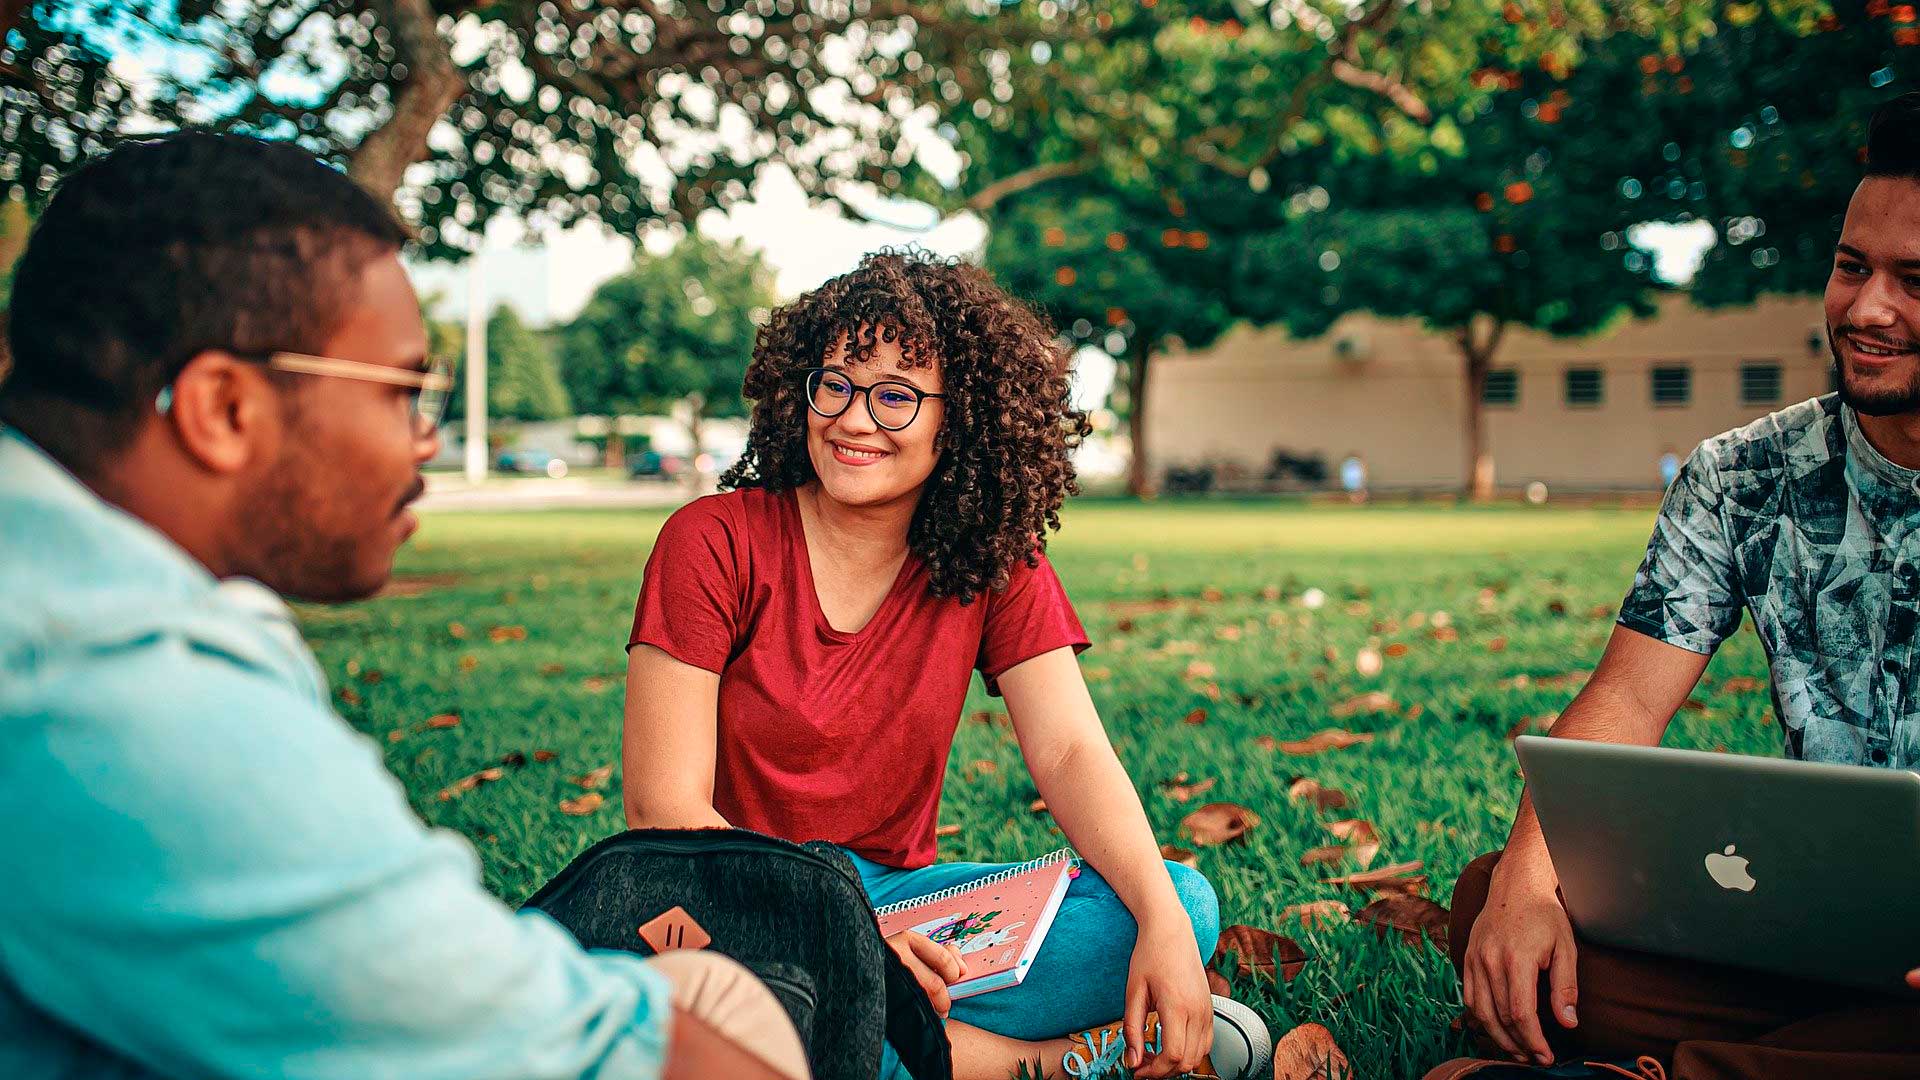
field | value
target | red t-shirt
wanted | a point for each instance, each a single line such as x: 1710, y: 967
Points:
x: 824, y: 735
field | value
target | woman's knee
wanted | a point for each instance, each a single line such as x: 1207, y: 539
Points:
x: 1202, y: 903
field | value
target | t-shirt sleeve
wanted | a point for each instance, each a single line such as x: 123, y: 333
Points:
x: 1686, y: 592
x: 1031, y: 616
x: 689, y: 604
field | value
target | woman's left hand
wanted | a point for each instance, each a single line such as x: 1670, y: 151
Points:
x: 1166, y: 977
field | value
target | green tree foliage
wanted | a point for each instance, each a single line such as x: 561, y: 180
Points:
x: 58, y: 100
x: 523, y: 377
x: 625, y: 111
x: 676, y: 328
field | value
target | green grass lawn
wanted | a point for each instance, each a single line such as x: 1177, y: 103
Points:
x: 516, y: 624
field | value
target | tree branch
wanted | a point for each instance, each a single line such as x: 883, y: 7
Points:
x: 986, y: 198
x: 431, y: 86
x: 1390, y: 88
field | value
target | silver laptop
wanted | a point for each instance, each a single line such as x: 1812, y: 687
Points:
x: 1804, y: 869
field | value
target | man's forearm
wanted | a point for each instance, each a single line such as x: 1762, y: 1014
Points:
x: 1601, y: 712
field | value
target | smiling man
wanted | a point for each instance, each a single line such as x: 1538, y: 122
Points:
x: 1809, y: 521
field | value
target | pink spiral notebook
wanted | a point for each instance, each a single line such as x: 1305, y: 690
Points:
x: 996, y: 922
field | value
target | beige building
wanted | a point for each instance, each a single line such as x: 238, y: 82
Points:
x: 1593, y: 413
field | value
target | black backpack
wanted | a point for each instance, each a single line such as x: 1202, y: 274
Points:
x: 794, y: 914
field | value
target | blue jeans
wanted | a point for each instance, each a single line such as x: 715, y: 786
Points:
x: 1079, y: 978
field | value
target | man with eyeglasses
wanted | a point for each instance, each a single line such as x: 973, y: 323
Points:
x: 220, y: 395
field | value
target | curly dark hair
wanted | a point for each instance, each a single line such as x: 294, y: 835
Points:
x: 1004, y: 451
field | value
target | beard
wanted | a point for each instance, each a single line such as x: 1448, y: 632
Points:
x: 1871, y: 401
x: 312, y: 539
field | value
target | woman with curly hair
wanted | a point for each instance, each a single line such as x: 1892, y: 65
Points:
x: 803, y: 645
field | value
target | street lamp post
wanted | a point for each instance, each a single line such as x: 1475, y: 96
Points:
x: 476, y: 373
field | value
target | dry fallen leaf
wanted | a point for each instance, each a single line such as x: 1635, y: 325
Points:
x: 1532, y: 723
x: 516, y: 759
x: 1197, y: 717
x: 1366, y: 662
x: 1038, y: 806
x: 544, y: 755
x: 469, y: 662
x: 1179, y: 790
x: 1266, y: 742
x: 1217, y: 823
x: 1217, y: 984
x: 1175, y: 853
x: 1317, y: 912
x: 1444, y: 633
x: 553, y: 669
x: 1741, y: 684
x: 1330, y: 739
x: 456, y: 630
x: 1308, y: 1052
x: 1498, y: 644
x: 585, y: 804
x: 596, y: 779
x: 1330, y: 853
x: 1212, y: 595
x: 593, y: 684
x: 444, y: 720
x: 1399, y: 877
x: 348, y: 695
x: 1200, y: 669
x: 1097, y: 674
x: 1353, y: 831
x: 1364, y: 854
x: 946, y: 830
x: 977, y: 769
x: 1396, y: 650
x: 506, y: 633
x: 1326, y: 798
x: 1260, y: 952
x: 1413, y: 916
x: 1373, y: 702
x: 984, y: 717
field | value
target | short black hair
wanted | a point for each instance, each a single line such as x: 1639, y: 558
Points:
x: 162, y: 249
x: 1893, y: 138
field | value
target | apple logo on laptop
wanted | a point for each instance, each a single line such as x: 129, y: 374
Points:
x: 1729, y: 871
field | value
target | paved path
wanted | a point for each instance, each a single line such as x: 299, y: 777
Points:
x: 540, y: 493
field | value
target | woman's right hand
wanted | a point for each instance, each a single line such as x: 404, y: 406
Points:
x: 934, y: 966
x: 1522, y: 931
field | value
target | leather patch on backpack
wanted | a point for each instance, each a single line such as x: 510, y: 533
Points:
x: 674, y: 929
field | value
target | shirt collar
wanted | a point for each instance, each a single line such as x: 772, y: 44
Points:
x: 1870, y: 467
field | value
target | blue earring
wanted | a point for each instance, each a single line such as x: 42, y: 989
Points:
x: 163, y: 401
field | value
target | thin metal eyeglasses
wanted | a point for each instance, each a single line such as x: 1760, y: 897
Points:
x: 892, y: 405
x: 432, y: 385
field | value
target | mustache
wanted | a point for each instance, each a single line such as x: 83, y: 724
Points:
x: 418, y: 489
x: 1875, y: 339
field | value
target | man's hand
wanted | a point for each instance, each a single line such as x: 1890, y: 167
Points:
x: 934, y: 966
x: 1522, y: 931
x: 1913, y: 978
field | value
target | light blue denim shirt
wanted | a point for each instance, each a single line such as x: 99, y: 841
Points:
x: 204, y: 872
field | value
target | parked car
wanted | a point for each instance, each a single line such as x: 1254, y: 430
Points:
x: 652, y: 464
x: 534, y: 462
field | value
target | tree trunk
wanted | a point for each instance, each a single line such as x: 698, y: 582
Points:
x: 431, y: 86
x: 1139, y: 478
x: 616, y: 458
x: 1477, y: 350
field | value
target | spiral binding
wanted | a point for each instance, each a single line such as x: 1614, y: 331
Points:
x: 1064, y: 854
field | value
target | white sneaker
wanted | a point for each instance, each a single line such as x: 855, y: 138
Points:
x: 1242, y: 1047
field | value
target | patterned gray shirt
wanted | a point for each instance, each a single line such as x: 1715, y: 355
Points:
x: 1800, y: 521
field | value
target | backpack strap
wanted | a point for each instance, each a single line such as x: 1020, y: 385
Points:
x: 914, y: 1029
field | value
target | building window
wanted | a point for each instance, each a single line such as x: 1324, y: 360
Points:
x: 1672, y: 384
x: 1501, y: 388
x: 1760, y: 383
x: 1586, y: 387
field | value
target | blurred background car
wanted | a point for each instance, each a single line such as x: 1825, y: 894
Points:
x: 654, y: 465
x: 532, y: 462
